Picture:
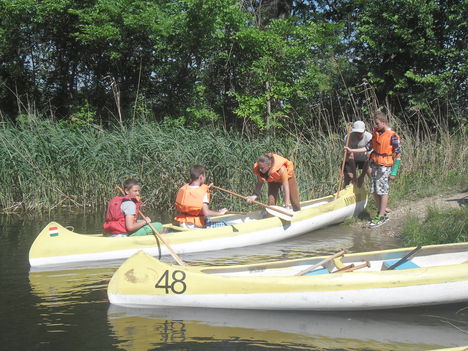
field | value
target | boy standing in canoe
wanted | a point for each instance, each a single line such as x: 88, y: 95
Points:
x: 277, y: 171
x: 192, y: 201
x: 122, y: 213
x: 384, y: 163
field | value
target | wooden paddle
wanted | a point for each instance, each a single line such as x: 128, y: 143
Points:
x: 354, y: 268
x: 276, y: 211
x: 340, y: 181
x: 345, y: 268
x: 321, y: 263
x: 157, y: 234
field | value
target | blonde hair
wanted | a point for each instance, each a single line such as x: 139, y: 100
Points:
x: 380, y: 116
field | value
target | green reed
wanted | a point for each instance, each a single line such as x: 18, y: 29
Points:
x: 440, y: 226
x: 45, y: 165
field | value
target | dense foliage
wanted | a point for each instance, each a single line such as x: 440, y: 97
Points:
x: 241, y: 64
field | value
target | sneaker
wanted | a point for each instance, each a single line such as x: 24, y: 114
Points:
x: 378, y: 221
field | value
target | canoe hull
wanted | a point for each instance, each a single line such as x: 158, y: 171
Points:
x: 67, y: 247
x: 349, y: 300
x: 143, y: 281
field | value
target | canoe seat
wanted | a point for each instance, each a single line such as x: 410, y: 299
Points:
x: 317, y: 271
x: 327, y: 268
x: 338, y: 264
x: 167, y: 228
x: 405, y: 265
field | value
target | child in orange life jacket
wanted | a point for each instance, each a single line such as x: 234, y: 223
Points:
x: 277, y: 171
x: 122, y: 214
x: 192, y: 201
x: 384, y: 163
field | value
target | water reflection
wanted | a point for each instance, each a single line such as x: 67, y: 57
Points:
x: 62, y: 292
x: 146, y: 329
x: 69, y: 287
x: 68, y: 306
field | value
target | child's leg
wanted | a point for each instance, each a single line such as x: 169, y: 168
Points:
x: 294, y: 194
x: 374, y: 180
x: 365, y: 170
x: 350, y: 171
x: 146, y: 230
x: 383, y: 204
x: 273, y: 189
x: 376, y: 200
x: 380, y: 187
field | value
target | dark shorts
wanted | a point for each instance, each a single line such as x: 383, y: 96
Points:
x: 359, y: 165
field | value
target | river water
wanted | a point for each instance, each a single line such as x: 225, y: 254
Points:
x: 68, y: 309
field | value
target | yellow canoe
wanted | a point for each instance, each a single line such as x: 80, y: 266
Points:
x: 435, y: 274
x: 56, y: 245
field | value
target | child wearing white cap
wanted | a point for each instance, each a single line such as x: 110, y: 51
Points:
x: 358, y: 138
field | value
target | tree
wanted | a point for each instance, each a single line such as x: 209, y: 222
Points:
x: 411, y: 50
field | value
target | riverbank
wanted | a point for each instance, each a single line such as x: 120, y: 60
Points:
x: 418, y: 208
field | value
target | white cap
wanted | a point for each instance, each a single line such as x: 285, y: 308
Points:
x: 358, y: 127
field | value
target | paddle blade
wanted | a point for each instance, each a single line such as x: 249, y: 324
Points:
x: 282, y: 212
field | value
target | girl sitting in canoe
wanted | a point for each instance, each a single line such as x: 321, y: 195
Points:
x: 122, y: 214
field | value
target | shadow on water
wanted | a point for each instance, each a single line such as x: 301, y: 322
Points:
x: 67, y: 307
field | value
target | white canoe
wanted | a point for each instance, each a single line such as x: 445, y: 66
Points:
x: 56, y: 245
x: 436, y: 274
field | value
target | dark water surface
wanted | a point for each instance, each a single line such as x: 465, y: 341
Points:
x: 68, y: 309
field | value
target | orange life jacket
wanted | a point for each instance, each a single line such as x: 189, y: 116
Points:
x: 382, y: 149
x: 273, y: 174
x: 189, y: 203
x: 115, y: 218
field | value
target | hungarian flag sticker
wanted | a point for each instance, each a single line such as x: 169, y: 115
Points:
x: 53, y: 231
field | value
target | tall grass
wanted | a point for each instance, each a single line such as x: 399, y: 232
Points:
x: 439, y: 227
x: 48, y: 165
x: 44, y: 165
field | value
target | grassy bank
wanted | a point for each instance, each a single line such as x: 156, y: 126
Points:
x: 45, y: 165
x: 439, y: 227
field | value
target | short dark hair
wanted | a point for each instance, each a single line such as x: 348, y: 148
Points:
x: 129, y: 183
x: 196, y: 171
x: 265, y: 158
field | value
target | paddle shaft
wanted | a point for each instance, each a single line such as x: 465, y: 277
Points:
x: 235, y: 213
x: 353, y: 268
x: 321, y: 263
x: 345, y: 268
x: 404, y: 259
x: 255, y: 202
x: 340, y: 181
x: 158, y: 235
